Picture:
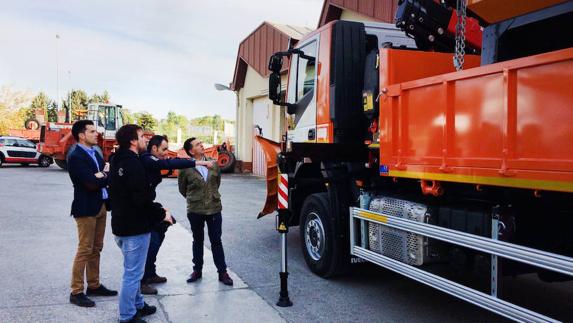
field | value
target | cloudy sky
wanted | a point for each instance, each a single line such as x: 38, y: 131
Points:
x: 152, y: 55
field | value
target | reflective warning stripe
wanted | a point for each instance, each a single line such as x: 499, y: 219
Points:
x: 283, y: 191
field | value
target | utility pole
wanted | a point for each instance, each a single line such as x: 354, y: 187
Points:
x: 57, y: 73
x: 69, y: 109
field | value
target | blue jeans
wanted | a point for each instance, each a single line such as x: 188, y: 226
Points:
x: 156, y: 239
x: 134, y: 250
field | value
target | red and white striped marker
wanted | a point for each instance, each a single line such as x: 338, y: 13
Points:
x: 283, y: 191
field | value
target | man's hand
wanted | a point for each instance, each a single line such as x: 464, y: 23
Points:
x: 99, y: 175
x: 168, y: 217
x: 106, y: 168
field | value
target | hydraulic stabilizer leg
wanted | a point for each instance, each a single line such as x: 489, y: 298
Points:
x: 282, y: 227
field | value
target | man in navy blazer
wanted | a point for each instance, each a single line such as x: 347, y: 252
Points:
x: 86, y: 170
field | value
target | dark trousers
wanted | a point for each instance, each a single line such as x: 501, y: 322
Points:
x: 214, y: 227
x: 155, y: 241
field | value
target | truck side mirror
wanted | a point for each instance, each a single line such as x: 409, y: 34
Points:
x: 276, y: 63
x: 275, y: 66
x: 275, y: 88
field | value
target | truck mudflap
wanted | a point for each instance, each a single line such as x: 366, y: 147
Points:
x: 270, y: 149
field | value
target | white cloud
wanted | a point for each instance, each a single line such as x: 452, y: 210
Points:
x: 150, y: 55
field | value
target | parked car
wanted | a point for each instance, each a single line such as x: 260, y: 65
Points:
x: 16, y: 150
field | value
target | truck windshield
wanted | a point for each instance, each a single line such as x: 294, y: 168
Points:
x: 301, y: 78
x: 104, y: 116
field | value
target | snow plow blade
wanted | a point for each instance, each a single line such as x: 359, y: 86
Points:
x: 270, y: 149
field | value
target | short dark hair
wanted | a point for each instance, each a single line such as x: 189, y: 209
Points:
x: 126, y: 134
x: 187, y: 145
x: 156, y: 141
x: 80, y: 127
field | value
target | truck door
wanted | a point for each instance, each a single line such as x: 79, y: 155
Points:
x: 301, y: 90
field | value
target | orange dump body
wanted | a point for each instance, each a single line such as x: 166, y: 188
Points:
x: 506, y: 124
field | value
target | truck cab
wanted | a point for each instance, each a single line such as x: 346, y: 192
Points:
x: 107, y: 118
x: 323, y: 66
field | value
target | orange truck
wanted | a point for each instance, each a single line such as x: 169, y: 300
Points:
x: 32, y: 126
x: 222, y: 153
x: 445, y: 156
x: 56, y: 138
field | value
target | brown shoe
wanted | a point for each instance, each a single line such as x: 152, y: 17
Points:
x: 225, y: 279
x: 196, y: 275
x: 155, y: 280
x: 148, y: 289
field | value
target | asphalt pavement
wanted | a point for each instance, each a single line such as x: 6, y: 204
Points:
x: 37, y: 243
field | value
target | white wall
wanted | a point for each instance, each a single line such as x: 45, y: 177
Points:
x: 256, y: 89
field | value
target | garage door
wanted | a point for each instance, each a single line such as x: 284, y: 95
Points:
x: 263, y: 125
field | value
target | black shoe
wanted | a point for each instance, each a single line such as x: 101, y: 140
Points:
x: 225, y: 279
x: 81, y: 300
x: 146, y: 310
x: 135, y: 319
x: 148, y: 290
x: 101, y: 291
x: 196, y: 275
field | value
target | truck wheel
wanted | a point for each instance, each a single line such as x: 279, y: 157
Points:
x: 226, y: 161
x: 32, y: 124
x: 44, y: 161
x: 61, y: 163
x: 319, y: 245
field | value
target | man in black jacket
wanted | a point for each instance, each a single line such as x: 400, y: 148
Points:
x: 85, y: 167
x: 154, y: 161
x: 133, y: 215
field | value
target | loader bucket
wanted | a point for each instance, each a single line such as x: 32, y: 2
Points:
x: 270, y: 149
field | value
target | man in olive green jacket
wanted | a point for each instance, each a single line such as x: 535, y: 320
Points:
x: 200, y: 186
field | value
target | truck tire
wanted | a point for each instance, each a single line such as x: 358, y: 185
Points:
x: 32, y: 124
x: 44, y: 161
x: 320, y: 247
x: 226, y: 161
x: 61, y: 163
